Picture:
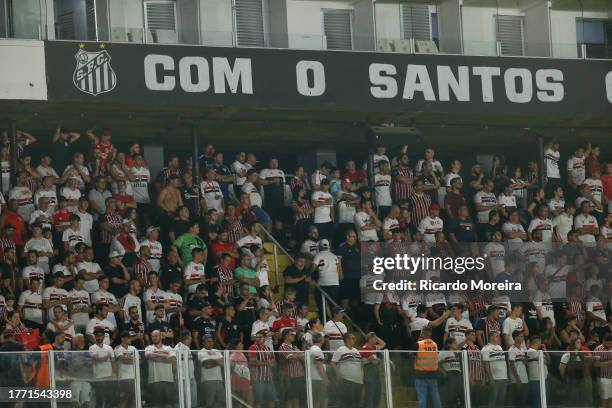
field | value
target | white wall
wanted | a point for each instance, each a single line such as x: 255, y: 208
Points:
x: 22, y: 70
x: 388, y: 24
x: 563, y: 29
x: 479, y: 36
x: 537, y: 30
x: 305, y: 22
x: 216, y: 19
x: 126, y: 20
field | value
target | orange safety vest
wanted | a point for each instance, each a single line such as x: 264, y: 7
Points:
x: 42, y: 373
x: 427, y: 356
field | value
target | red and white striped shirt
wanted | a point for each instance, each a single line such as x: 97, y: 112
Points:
x: 235, y: 231
x: 226, y: 279
x: 604, y: 355
x: 474, y: 362
x: 114, y: 221
x: 402, y: 190
x: 419, y: 206
x: 576, y: 307
x: 261, y: 353
x: 142, y: 267
x: 292, y: 366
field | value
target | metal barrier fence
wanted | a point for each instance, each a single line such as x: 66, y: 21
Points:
x: 246, y: 378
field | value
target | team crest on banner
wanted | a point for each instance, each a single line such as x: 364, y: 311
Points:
x: 93, y: 73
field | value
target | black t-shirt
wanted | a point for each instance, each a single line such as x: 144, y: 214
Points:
x: 223, y: 170
x: 489, y: 229
x: 204, y: 326
x: 301, y: 287
x: 531, y: 318
x: 61, y: 152
x: 162, y: 326
x: 134, y: 328
x: 229, y: 330
x: 471, y: 192
x: 247, y: 316
x: 350, y: 259
x: 170, y: 273
x: 191, y: 200
x: 119, y: 290
x: 464, y: 230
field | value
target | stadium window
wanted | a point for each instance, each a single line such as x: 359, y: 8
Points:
x: 338, y: 29
x: 250, y: 23
x: 415, y: 22
x: 596, y: 35
x: 509, y: 34
x: 161, y: 21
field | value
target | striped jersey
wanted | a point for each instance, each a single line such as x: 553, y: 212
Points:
x: 292, y: 367
x: 261, y: 353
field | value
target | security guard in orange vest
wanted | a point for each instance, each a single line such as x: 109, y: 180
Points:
x: 39, y: 372
x: 426, y: 370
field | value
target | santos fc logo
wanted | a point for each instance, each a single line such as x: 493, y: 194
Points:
x: 93, y: 73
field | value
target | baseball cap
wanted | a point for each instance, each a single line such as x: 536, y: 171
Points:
x: 421, y: 309
x: 125, y: 333
x: 337, y: 309
x: 151, y: 229
x: 114, y: 254
x: 324, y: 244
x: 99, y: 330
x: 126, y: 221
x: 324, y: 181
x: 492, y: 308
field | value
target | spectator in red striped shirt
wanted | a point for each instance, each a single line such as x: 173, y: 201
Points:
x: 402, y: 179
x: 261, y: 359
x: 292, y: 363
x: 604, y: 365
x: 285, y: 321
x: 142, y: 266
x: 419, y: 202
x: 475, y: 368
x: 224, y: 272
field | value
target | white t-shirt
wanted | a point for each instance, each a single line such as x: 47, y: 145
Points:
x: 382, y: 187
x: 52, y: 294
x: 595, y: 306
x: 552, y: 163
x: 518, y: 355
x: 80, y: 298
x: 334, y: 332
x: 496, y: 254
x: 511, y: 325
x: 31, y: 304
x: 92, y: 267
x: 46, y: 171
x: 563, y: 224
x: 503, y: 303
x: 70, y: 194
x: 102, y: 369
x: 596, y: 188
x: 263, y: 328
x: 237, y: 168
x: 456, y: 328
x: 72, y: 237
x: 585, y: 221
x: 213, y: 373
x: 309, y: 247
x: 576, y: 169
x: 346, y: 211
x: 83, y: 169
x: 157, y: 297
x: 127, y: 302
x: 40, y: 245
x: 327, y: 263
x: 160, y: 370
x: 86, y: 225
x: 513, y: 243
x: 125, y: 369
x: 105, y: 298
x: 317, y: 356
x: 96, y: 323
x: 449, y: 360
x: 140, y: 184
x: 544, y: 301
x: 494, y: 354
x: 533, y: 365
x: 557, y: 278
x: 507, y: 201
x: 155, y: 257
x: 253, y: 193
x: 349, y: 364
x: 50, y: 194
x: 213, y: 196
x: 436, y: 166
x: 543, y: 225
x: 33, y: 271
x: 429, y: 226
x: 555, y: 205
x: 418, y: 323
x: 322, y: 213
x: 193, y: 271
x: 487, y: 200
x: 361, y: 220
x: 25, y: 201
x: 390, y: 224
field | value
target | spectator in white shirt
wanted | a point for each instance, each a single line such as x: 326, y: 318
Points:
x: 564, y: 222
x: 586, y: 225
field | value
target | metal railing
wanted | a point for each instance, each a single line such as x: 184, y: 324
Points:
x: 390, y: 375
x: 325, y: 297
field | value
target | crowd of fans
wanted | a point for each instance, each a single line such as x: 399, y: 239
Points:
x: 97, y: 254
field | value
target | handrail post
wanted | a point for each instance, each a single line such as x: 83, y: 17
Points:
x: 227, y: 371
x: 465, y: 368
x: 179, y: 379
x: 137, y: 392
x: 388, y: 384
x: 543, y: 402
x: 52, y: 379
x: 307, y: 366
